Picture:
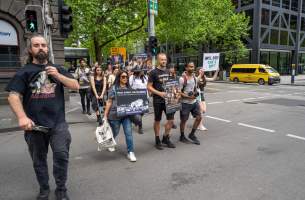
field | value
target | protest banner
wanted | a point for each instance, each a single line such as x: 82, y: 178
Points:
x: 211, y: 61
x: 172, y: 90
x: 131, y: 102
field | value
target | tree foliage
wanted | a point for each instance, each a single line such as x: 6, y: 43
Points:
x: 211, y: 23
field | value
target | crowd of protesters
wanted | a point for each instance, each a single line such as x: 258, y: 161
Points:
x: 98, y: 88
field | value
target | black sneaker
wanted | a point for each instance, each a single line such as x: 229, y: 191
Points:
x: 88, y: 113
x: 43, y: 194
x: 84, y: 112
x: 194, y: 139
x: 174, y: 126
x: 167, y: 142
x: 61, y: 195
x: 183, y: 139
x: 158, y: 146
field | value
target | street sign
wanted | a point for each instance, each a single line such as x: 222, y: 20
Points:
x: 153, y: 7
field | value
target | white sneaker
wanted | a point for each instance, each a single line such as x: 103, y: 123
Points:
x: 111, y: 149
x: 202, y: 128
x: 131, y: 156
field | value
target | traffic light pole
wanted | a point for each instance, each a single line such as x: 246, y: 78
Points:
x: 48, y: 22
x: 151, y: 30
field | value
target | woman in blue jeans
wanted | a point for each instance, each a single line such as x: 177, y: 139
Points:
x: 110, y: 114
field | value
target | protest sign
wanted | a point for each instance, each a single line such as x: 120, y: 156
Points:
x: 211, y: 61
x: 172, y: 90
x: 131, y: 102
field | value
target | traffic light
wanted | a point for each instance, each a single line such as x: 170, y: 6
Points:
x: 31, y: 21
x: 66, y: 19
x: 153, y: 45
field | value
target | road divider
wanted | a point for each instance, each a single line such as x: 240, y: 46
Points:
x: 219, y: 119
x: 295, y: 136
x: 256, y: 127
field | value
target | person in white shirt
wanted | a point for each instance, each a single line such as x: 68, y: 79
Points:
x: 138, y: 81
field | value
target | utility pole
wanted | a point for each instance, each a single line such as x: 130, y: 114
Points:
x: 152, y: 11
x: 47, y: 26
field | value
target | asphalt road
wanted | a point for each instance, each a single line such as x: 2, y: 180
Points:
x: 253, y: 150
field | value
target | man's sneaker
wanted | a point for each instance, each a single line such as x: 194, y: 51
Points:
x: 43, y: 194
x: 158, y: 146
x: 111, y: 149
x: 202, y: 128
x: 61, y: 195
x: 183, y: 139
x: 194, y: 139
x: 140, y: 131
x: 84, y: 112
x: 131, y: 157
x: 167, y: 142
x: 174, y: 126
x: 88, y: 113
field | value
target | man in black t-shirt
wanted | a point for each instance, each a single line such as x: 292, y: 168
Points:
x: 41, y: 114
x: 156, y: 80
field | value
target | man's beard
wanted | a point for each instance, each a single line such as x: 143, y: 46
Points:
x: 41, y: 57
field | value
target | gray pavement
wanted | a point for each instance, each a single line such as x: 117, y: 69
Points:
x: 254, y: 149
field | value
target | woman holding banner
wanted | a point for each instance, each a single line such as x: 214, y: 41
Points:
x: 121, y: 82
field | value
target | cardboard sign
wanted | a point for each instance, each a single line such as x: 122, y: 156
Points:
x: 211, y: 61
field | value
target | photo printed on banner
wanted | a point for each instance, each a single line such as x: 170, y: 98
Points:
x: 172, y: 98
x: 131, y: 102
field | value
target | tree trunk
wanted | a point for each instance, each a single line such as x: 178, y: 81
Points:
x: 98, y: 50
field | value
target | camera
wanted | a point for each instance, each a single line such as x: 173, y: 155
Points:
x: 195, y: 94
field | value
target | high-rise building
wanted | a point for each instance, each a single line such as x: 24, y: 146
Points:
x: 277, y: 33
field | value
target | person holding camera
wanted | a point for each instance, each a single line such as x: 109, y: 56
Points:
x: 189, y: 93
x: 41, y: 114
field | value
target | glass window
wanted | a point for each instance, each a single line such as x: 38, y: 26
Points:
x: 283, y: 25
x: 276, y: 3
x: 292, y: 40
x: 283, y: 62
x: 262, y: 70
x: 266, y: 39
x: 293, y: 22
x: 285, y: 4
x: 273, y: 60
x: 284, y: 38
x: 246, y: 2
x: 274, y: 39
x: 9, y: 56
x: 303, y: 43
x: 249, y: 13
x: 264, y: 57
x: 265, y: 16
x: 266, y: 1
x: 303, y: 7
x: 294, y: 5
x: 303, y: 23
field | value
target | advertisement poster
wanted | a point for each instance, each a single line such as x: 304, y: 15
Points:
x: 131, y: 102
x: 172, y: 101
x: 211, y: 61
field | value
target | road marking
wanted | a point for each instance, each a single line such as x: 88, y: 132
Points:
x: 295, y: 136
x: 234, y: 100
x: 247, y: 99
x: 261, y: 97
x: 216, y: 118
x: 218, y: 102
x: 256, y: 127
x: 297, y: 93
x: 73, y: 109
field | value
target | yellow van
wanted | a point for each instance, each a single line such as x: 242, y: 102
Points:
x: 254, y: 73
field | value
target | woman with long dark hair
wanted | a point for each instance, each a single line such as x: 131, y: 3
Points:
x: 202, y: 81
x: 121, y: 82
x: 98, y: 89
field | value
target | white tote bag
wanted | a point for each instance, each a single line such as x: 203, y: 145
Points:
x: 104, y: 136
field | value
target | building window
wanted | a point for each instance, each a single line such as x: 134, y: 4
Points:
x: 264, y: 57
x: 274, y: 39
x: 276, y: 3
x: 283, y: 62
x: 265, y: 17
x: 246, y: 2
x: 9, y: 50
x: 293, y: 22
x: 266, y: 2
x: 293, y: 39
x: 286, y: 4
x: 294, y: 5
x: 284, y: 38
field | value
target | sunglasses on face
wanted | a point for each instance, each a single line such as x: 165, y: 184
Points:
x: 124, y: 77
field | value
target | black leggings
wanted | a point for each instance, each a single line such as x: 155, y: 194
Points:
x: 85, y: 93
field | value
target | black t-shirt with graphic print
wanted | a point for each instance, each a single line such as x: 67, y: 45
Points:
x: 43, y: 95
x: 158, y: 77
